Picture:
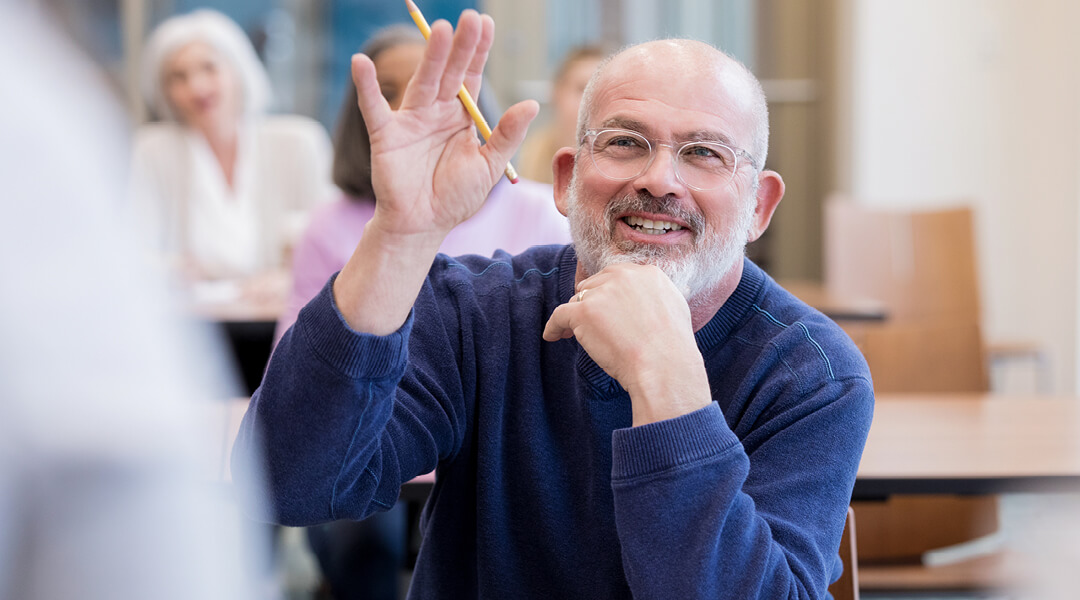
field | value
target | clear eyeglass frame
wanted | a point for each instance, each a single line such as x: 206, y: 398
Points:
x: 701, y: 179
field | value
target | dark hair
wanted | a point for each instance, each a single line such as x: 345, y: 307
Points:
x: 352, y: 147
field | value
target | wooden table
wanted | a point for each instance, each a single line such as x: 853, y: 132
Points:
x: 247, y: 322
x: 232, y: 300
x: 918, y: 444
x: 970, y: 444
x: 239, y: 311
x: 836, y: 307
x: 957, y: 444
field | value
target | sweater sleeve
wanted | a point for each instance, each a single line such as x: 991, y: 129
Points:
x: 699, y: 516
x: 328, y: 424
x: 313, y: 262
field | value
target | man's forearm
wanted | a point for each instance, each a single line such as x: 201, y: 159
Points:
x: 377, y: 287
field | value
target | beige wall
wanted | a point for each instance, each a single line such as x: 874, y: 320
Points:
x: 976, y: 99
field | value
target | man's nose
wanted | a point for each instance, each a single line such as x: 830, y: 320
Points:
x: 660, y: 178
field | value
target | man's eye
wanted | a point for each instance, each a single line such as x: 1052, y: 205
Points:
x: 624, y: 142
x: 701, y: 152
x: 706, y: 155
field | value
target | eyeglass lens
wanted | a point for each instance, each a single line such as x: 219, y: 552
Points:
x: 622, y: 155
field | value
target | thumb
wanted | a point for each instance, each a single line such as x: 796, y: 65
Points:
x: 509, y: 133
x: 558, y: 326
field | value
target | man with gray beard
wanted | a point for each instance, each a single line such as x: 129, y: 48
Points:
x: 644, y: 413
x: 597, y: 245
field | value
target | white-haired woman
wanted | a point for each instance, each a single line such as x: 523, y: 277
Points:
x: 227, y: 186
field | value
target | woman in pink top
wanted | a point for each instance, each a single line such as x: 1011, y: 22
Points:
x: 514, y: 217
x: 362, y: 559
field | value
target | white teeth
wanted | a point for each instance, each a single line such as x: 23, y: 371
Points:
x: 652, y: 227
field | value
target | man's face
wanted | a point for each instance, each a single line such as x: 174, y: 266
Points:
x: 695, y: 263
x: 701, y: 235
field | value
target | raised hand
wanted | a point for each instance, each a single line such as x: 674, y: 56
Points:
x: 429, y: 171
x: 635, y: 324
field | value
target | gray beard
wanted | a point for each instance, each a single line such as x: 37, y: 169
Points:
x: 695, y: 270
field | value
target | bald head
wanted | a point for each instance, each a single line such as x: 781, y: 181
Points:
x: 728, y: 84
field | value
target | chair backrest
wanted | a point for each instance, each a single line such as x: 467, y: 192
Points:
x: 847, y: 587
x: 923, y: 356
x: 921, y: 263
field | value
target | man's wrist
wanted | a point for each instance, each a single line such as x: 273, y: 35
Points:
x: 396, y: 238
x: 661, y: 396
x: 377, y: 287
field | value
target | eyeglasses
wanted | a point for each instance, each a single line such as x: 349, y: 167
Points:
x: 621, y: 154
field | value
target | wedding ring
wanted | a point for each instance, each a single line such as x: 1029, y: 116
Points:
x: 581, y: 296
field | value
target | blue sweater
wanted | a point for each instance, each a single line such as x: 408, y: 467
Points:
x: 543, y: 489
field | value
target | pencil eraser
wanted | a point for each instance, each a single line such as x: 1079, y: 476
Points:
x: 513, y: 179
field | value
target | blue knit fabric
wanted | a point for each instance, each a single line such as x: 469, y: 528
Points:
x: 543, y: 488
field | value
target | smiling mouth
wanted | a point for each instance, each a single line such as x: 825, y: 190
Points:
x: 651, y: 227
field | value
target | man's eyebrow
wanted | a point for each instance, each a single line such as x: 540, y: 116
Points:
x: 625, y: 123
x: 700, y: 135
x: 703, y: 135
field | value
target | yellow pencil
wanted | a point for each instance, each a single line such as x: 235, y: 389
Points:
x: 463, y: 94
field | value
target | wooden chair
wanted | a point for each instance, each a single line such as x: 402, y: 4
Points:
x: 922, y: 356
x: 895, y: 534
x: 921, y: 263
x: 847, y: 587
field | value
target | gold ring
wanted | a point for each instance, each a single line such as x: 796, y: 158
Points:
x: 581, y: 296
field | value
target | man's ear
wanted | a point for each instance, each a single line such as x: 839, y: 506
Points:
x: 770, y: 192
x: 562, y: 168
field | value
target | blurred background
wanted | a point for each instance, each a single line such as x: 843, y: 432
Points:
x: 890, y: 108
x: 914, y: 104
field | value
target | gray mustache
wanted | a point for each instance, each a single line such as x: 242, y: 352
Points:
x: 664, y: 205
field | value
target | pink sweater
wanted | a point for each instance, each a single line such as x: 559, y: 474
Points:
x: 513, y: 218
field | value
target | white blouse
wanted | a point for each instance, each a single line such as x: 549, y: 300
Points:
x: 282, y: 171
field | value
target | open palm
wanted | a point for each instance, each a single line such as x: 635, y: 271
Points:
x: 429, y: 170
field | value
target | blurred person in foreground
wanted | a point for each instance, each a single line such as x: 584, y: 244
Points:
x: 643, y: 413
x: 110, y: 466
x: 230, y: 187
x: 363, y: 559
x: 567, y: 87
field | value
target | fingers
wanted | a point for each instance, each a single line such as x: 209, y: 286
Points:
x: 369, y: 97
x: 595, y: 280
x: 475, y: 73
x: 563, y: 319
x: 424, y: 86
x: 464, y: 48
x: 448, y: 57
x: 558, y: 326
x: 509, y: 134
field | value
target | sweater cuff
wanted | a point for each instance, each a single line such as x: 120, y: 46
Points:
x: 660, y: 446
x: 357, y: 355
